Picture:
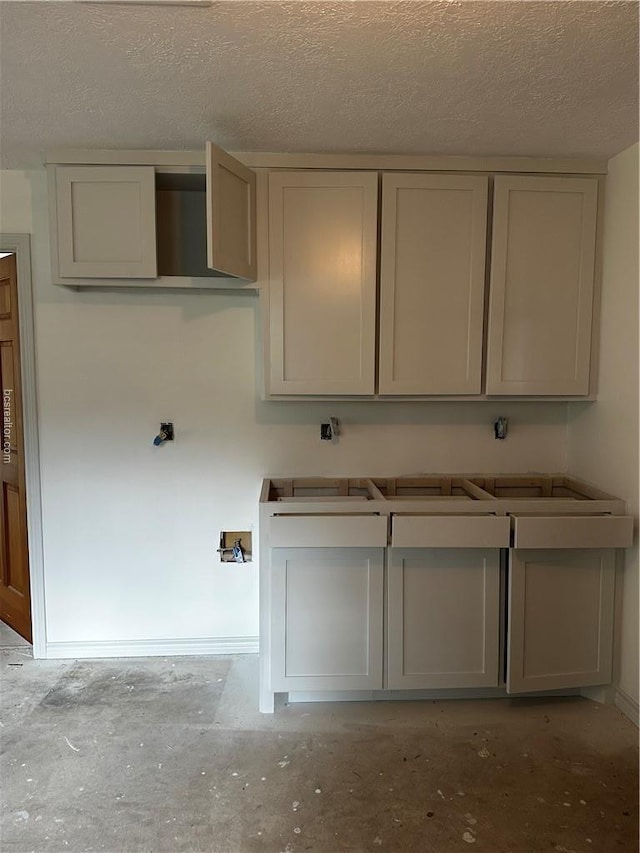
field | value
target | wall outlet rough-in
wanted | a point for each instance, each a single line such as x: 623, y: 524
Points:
x: 235, y: 546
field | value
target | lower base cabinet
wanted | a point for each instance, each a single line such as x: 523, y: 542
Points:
x: 560, y: 618
x: 443, y: 618
x: 327, y: 618
x: 440, y: 628
x: 406, y: 588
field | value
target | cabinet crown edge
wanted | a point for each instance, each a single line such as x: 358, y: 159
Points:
x: 381, y: 162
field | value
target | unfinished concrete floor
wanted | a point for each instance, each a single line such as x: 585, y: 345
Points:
x: 171, y: 755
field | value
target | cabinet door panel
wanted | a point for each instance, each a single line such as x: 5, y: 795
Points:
x: 432, y: 283
x: 443, y: 618
x: 560, y: 619
x: 106, y: 221
x: 322, y: 282
x: 541, y: 293
x: 327, y: 617
x: 231, y: 215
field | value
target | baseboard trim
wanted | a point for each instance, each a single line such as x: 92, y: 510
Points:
x: 628, y: 706
x: 152, y: 648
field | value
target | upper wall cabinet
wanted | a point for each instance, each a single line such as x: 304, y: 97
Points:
x: 322, y: 283
x: 106, y: 221
x: 322, y: 328
x: 152, y: 225
x: 429, y: 328
x: 432, y: 271
x: 541, y: 292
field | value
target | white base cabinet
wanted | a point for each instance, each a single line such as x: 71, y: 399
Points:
x: 404, y: 587
x: 443, y: 618
x: 327, y: 618
x: 441, y: 626
x: 560, y: 628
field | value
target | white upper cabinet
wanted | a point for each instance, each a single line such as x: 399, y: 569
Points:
x: 360, y: 299
x: 231, y: 215
x: 542, y: 281
x: 153, y: 220
x: 430, y: 329
x: 432, y: 273
x: 322, y: 283
x: 106, y: 217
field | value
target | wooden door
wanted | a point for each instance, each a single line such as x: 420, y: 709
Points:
x: 15, y: 606
x: 231, y: 215
x: 106, y: 222
x: 432, y: 275
x: 541, y: 291
x: 560, y: 624
x: 443, y: 622
x: 322, y: 283
x: 327, y: 618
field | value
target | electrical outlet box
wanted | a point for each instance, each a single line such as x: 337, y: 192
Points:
x: 235, y: 546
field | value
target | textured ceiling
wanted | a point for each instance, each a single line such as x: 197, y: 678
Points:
x: 485, y: 78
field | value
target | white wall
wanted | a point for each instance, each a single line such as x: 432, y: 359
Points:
x: 603, y: 437
x: 15, y: 203
x: 130, y: 530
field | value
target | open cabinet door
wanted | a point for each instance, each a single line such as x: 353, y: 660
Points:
x: 231, y: 215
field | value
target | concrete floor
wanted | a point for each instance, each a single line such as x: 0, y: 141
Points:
x: 171, y: 755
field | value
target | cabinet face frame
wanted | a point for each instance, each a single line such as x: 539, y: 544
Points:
x: 362, y: 383
x: 499, y: 290
x: 231, y: 194
x: 141, y: 217
x: 410, y: 280
x: 425, y: 560
x: 526, y: 637
x: 369, y: 562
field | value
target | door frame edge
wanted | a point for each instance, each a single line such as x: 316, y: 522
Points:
x: 20, y: 245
